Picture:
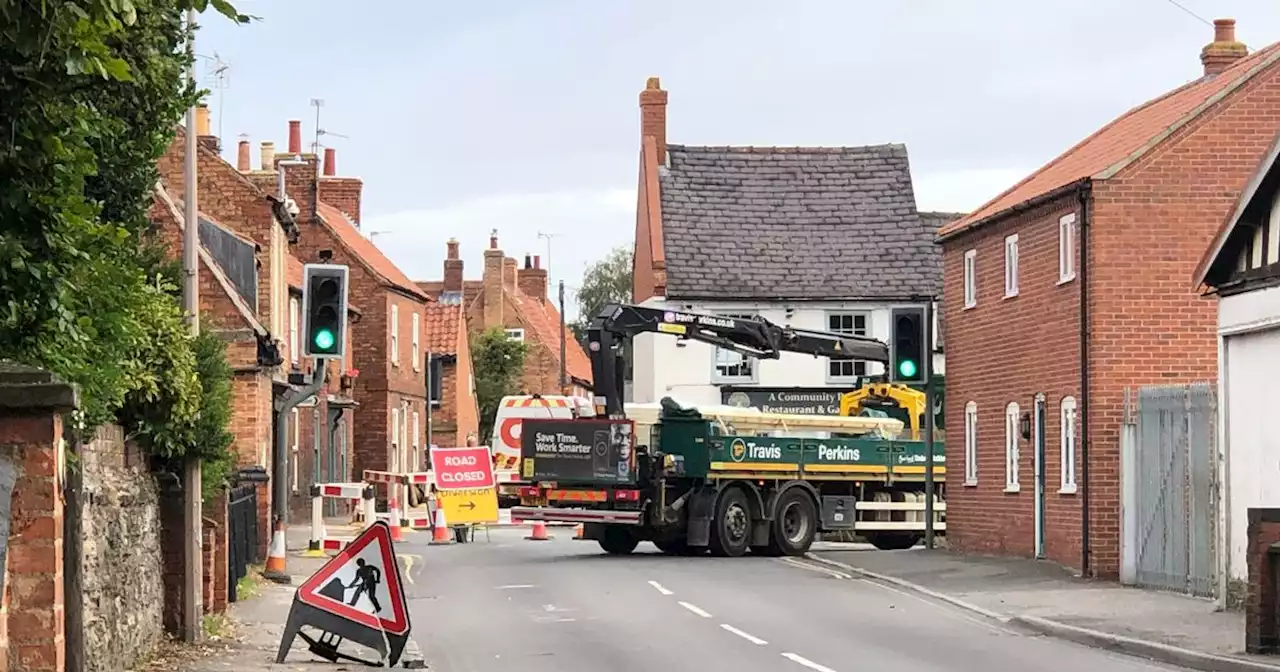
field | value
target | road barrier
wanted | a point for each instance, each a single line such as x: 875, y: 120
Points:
x: 320, y: 540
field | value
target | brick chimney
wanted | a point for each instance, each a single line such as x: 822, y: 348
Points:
x: 533, y: 278
x: 295, y: 137
x: 243, y: 163
x: 509, y: 274
x: 1224, y: 50
x: 452, y: 267
x: 203, y: 135
x: 343, y: 193
x: 653, y: 115
x: 267, y: 156
x: 300, y: 180
x: 492, y: 284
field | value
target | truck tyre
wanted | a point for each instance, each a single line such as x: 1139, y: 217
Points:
x: 618, y: 540
x: 795, y: 522
x: 731, y: 528
x: 893, y: 541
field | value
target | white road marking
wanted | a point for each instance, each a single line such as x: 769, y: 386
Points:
x: 515, y: 586
x: 815, y: 568
x: 660, y: 588
x: 695, y: 609
x: 745, y: 635
x: 797, y: 658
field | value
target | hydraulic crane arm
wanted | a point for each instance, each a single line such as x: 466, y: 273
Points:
x: 755, y: 337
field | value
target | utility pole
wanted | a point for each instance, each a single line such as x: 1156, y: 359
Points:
x: 564, y: 377
x: 192, y: 496
x: 929, y: 486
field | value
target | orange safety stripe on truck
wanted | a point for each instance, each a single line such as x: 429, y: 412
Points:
x: 534, y: 401
x: 577, y: 495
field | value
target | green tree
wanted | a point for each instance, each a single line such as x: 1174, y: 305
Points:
x: 499, y: 362
x: 604, y: 282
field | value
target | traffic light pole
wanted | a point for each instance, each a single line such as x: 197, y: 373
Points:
x: 927, y: 364
x: 280, y: 470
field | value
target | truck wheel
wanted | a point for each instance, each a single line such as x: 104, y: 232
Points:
x: 731, y: 530
x: 796, y: 523
x: 893, y: 541
x: 618, y: 540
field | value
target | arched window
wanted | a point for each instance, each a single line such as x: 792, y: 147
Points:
x: 971, y: 443
x: 1067, y: 423
x: 1012, y: 434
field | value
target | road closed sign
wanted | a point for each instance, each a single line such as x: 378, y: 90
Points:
x: 462, y: 468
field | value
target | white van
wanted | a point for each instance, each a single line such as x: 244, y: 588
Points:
x: 507, y: 425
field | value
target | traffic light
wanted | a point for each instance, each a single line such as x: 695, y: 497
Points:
x: 907, y: 346
x: 324, y: 310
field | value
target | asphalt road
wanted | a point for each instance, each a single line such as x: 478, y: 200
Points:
x: 563, y: 606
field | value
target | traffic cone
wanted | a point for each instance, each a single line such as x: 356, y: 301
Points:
x: 578, y: 532
x: 440, y: 533
x: 275, y: 566
x: 539, y: 532
x: 394, y: 510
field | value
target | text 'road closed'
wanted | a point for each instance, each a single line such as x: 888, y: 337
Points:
x: 462, y: 468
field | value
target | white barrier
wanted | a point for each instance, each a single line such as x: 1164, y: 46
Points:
x: 320, y: 540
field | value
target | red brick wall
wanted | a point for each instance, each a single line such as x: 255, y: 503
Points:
x: 1262, y: 604
x: 466, y: 413
x: 343, y: 193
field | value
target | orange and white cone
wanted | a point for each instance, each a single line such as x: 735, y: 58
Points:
x: 440, y: 531
x: 539, y: 532
x: 275, y: 566
x: 396, y: 520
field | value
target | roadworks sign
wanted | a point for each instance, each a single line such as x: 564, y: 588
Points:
x: 462, y: 507
x: 362, y: 584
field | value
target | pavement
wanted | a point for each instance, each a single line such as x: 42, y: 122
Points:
x: 1047, y: 598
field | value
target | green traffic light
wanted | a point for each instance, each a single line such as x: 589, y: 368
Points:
x: 907, y: 368
x: 324, y: 339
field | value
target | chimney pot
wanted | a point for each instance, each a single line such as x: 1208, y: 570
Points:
x: 1224, y: 30
x: 295, y: 137
x: 528, y: 262
x: 330, y: 162
x: 452, y: 246
x: 243, y: 163
x: 202, y: 119
x: 1225, y: 49
x: 537, y: 261
x: 493, y: 240
x: 268, y: 157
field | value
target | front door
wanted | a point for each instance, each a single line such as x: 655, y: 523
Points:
x: 1037, y: 446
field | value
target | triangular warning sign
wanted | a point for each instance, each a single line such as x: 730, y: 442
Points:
x: 362, y: 584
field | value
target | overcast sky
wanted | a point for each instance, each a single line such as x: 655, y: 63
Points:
x: 522, y: 115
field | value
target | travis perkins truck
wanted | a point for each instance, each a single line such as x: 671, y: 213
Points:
x: 728, y: 480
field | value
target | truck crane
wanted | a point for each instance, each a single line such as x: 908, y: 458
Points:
x: 730, y: 481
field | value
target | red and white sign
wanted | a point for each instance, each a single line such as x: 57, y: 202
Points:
x: 362, y: 584
x: 467, y: 468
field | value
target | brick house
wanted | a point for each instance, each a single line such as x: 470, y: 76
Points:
x: 454, y: 416
x: 387, y: 347
x: 1103, y: 236
x: 515, y: 299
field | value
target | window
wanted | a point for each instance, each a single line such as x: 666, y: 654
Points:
x: 417, y: 444
x: 1068, y: 445
x: 1011, y: 266
x: 395, y: 335
x: 729, y: 366
x: 854, y: 324
x: 413, y: 349
x: 515, y: 334
x: 970, y: 279
x: 1067, y: 248
x: 971, y: 443
x: 295, y: 348
x: 395, y: 439
x: 1012, y: 434
x: 435, y: 379
x: 294, y: 430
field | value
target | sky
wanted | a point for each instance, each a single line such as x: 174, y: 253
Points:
x: 522, y: 115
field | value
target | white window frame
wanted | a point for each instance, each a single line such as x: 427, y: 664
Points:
x: 395, y: 335
x: 295, y: 346
x: 729, y: 358
x: 1068, y: 432
x: 1012, y: 446
x: 858, y: 368
x: 970, y: 278
x: 1011, y: 266
x: 1067, y: 248
x: 417, y: 444
x: 971, y: 444
x: 416, y: 324
x: 295, y: 429
x: 516, y: 334
x: 395, y: 439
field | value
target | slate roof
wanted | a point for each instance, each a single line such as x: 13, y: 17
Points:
x: 1123, y: 141
x: 780, y: 223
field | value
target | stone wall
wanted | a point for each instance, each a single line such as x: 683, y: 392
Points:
x: 120, y: 572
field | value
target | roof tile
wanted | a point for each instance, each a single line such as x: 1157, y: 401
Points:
x: 442, y: 325
x: 544, y: 321
x: 363, y: 248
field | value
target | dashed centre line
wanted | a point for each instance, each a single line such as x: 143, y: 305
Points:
x: 745, y: 635
x: 658, y: 586
x: 797, y: 658
x: 694, y: 609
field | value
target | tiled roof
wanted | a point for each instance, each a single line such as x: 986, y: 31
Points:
x: 443, y: 321
x: 794, y: 223
x: 1122, y: 141
x: 366, y: 251
x: 544, y: 321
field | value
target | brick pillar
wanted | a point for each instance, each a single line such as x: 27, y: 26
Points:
x: 31, y: 521
x: 264, y: 520
x: 171, y: 552
x: 206, y: 560
x: 217, y: 516
x: 1262, y: 604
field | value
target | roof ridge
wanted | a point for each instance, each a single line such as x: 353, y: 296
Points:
x: 404, y: 284
x: 767, y: 149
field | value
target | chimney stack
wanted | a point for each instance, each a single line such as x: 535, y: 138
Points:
x: 452, y: 267
x: 510, y: 274
x: 533, y: 279
x: 492, y: 283
x: 243, y: 163
x: 653, y: 116
x: 295, y: 137
x: 202, y: 119
x: 268, y: 157
x: 330, y: 162
x: 1225, y: 50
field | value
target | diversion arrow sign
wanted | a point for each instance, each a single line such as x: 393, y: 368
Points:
x: 468, y: 506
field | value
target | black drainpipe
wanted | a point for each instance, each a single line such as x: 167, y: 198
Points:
x: 1085, y: 196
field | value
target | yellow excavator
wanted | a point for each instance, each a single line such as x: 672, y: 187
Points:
x: 875, y: 398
